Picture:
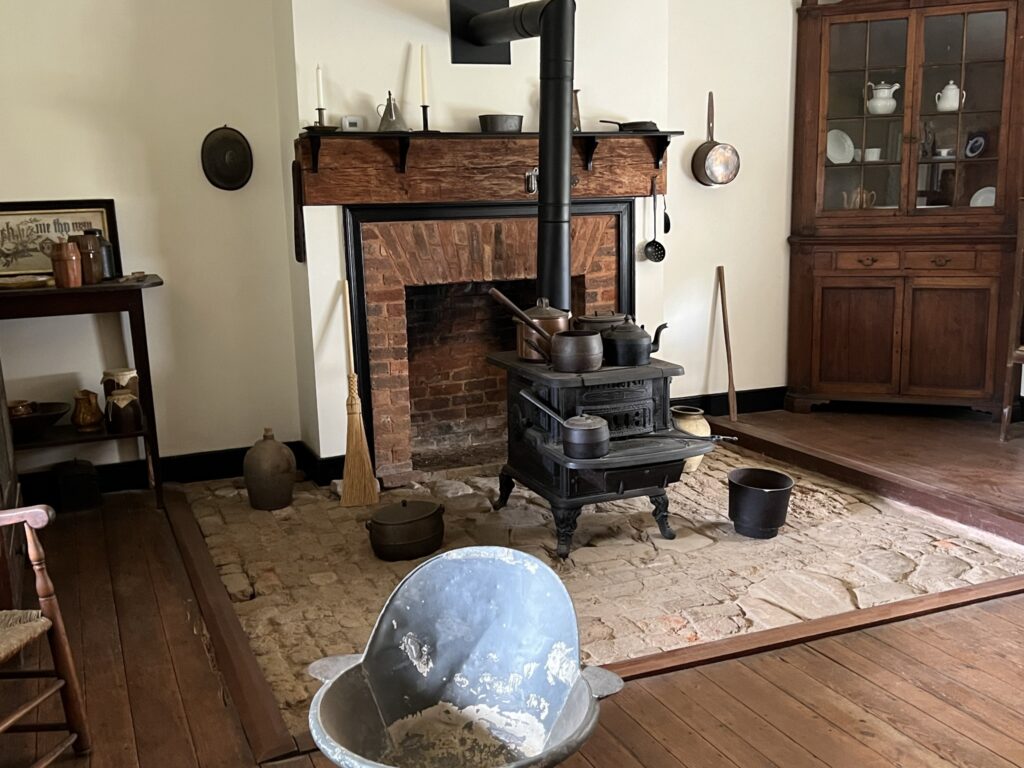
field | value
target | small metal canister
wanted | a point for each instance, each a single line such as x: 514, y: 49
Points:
x: 551, y: 319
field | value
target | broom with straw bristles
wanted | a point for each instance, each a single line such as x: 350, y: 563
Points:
x: 359, y: 486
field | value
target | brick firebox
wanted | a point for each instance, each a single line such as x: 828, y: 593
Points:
x: 466, y: 256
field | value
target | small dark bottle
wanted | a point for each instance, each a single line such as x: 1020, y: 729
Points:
x: 106, y: 254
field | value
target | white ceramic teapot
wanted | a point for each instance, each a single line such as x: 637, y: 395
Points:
x: 882, y: 99
x: 950, y: 98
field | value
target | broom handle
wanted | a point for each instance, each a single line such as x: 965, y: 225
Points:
x: 349, y: 345
x: 355, y: 405
x: 728, y: 344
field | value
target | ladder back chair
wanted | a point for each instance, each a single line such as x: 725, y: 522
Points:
x: 20, y: 628
x: 1015, y: 353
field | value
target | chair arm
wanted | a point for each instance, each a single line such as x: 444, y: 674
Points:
x: 36, y: 517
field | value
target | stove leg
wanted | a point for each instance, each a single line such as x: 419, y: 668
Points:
x: 505, y: 487
x: 565, y: 526
x: 661, y: 516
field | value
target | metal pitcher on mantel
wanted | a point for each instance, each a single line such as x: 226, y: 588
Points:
x: 390, y: 117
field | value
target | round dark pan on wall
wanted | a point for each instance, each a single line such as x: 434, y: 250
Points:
x: 227, y: 158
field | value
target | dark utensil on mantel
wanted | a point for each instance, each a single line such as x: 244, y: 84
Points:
x: 635, y: 126
x: 568, y: 351
x: 583, y: 437
x: 654, y: 251
x: 667, y: 227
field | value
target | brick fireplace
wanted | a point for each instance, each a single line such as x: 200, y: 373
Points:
x: 433, y: 400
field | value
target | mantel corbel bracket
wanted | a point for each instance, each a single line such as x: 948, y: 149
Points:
x: 589, y: 150
x: 660, y: 145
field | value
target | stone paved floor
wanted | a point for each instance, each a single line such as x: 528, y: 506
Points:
x: 306, y: 584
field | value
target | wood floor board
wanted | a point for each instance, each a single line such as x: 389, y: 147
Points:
x: 604, y: 750
x: 920, y: 726
x: 967, y: 647
x: 936, y: 680
x: 644, y: 746
x: 764, y: 737
x: 813, y: 732
x: 216, y: 732
x: 992, y: 747
x: 697, y: 720
x: 872, y: 731
x: 1007, y: 610
x: 161, y: 727
x: 1002, y: 639
x: 576, y: 761
x: 658, y: 722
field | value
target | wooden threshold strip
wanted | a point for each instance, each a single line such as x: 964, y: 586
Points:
x: 814, y: 629
x: 251, y: 694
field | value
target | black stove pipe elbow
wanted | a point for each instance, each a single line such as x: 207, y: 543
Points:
x: 554, y: 21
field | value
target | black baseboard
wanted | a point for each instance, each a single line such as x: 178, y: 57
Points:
x: 747, y: 401
x: 38, y: 487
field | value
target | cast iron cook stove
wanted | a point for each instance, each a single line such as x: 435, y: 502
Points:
x: 646, y: 452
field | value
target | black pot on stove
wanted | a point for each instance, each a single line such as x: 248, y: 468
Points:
x: 630, y: 344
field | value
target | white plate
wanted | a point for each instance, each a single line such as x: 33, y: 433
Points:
x: 984, y: 198
x: 839, y: 147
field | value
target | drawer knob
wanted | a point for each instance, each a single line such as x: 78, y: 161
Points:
x: 940, y: 261
x: 867, y: 261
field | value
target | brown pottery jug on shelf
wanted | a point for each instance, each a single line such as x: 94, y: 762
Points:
x: 269, y: 470
x: 124, y: 413
x: 67, y: 265
x: 87, y: 416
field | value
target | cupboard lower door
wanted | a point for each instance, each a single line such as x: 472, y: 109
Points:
x: 949, y: 336
x: 856, y: 346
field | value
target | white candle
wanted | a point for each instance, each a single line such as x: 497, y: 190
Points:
x: 423, y: 75
x: 319, y: 87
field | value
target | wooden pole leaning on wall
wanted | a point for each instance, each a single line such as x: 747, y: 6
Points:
x: 720, y: 272
x: 359, y: 487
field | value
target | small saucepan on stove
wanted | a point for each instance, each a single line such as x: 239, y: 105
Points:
x: 583, y: 437
x: 567, y: 351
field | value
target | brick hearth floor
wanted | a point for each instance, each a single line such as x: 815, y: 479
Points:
x: 306, y: 584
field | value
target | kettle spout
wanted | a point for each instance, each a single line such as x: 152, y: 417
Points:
x: 657, y: 337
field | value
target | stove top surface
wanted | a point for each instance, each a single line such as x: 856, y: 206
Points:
x: 657, y: 369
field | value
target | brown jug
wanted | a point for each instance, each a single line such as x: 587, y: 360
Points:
x: 87, y: 416
x: 124, y: 413
x: 269, y: 470
x: 67, y: 265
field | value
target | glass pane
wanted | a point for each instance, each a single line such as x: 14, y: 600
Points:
x: 841, y: 136
x: 940, y: 137
x: 841, y: 188
x: 935, y: 80
x: 848, y: 46
x: 943, y: 39
x: 977, y: 185
x: 980, y: 136
x: 986, y: 36
x: 884, y: 141
x: 936, y: 183
x: 984, y: 86
x: 846, y: 94
x: 887, y: 43
x: 881, y: 186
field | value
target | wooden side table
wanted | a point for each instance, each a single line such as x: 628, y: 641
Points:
x: 91, y: 300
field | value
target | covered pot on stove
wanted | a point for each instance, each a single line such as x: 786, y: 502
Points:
x: 551, y: 319
x: 630, y: 344
x: 599, y: 321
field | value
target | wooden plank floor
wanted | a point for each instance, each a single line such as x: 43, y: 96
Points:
x: 942, y: 689
x: 949, y: 461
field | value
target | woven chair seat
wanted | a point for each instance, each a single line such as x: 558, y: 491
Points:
x: 18, y: 629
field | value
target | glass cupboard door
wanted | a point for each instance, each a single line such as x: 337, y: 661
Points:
x: 961, y: 109
x: 864, y: 121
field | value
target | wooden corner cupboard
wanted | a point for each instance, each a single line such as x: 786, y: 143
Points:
x: 907, y: 170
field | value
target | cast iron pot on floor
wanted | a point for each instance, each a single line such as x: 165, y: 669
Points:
x: 758, y: 501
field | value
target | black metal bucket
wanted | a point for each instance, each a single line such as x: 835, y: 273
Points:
x: 758, y: 501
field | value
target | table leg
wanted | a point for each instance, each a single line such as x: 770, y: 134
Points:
x: 565, y: 526
x: 505, y: 487
x: 140, y: 353
x: 661, y: 515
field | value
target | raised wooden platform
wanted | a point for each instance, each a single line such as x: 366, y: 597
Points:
x: 949, y: 462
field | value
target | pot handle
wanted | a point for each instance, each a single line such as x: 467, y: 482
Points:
x: 711, y: 115
x: 529, y: 397
x: 505, y: 301
x: 537, y: 348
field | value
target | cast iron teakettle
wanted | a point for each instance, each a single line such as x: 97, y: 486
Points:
x: 630, y: 344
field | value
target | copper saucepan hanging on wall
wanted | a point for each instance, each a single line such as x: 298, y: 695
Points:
x: 714, y: 163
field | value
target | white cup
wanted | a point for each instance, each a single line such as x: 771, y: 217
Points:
x: 873, y: 155
x: 857, y: 154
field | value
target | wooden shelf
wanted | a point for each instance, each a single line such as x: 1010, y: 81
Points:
x: 68, y: 434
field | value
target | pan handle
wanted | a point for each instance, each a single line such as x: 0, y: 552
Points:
x: 711, y: 115
x: 537, y: 348
x: 501, y: 298
x: 528, y: 395
x: 708, y: 438
x: 611, y: 122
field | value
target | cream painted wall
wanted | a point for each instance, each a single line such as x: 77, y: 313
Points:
x: 112, y: 98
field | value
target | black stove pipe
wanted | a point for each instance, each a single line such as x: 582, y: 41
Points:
x: 554, y: 21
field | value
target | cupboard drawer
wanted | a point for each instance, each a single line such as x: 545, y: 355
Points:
x: 862, y: 260
x: 940, y: 260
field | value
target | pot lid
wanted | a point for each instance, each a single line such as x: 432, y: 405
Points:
x: 628, y: 331
x: 404, y: 512
x: 543, y: 310
x: 603, y: 316
x: 227, y: 158
x: 585, y: 421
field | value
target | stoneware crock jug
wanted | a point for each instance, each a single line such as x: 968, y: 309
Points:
x: 124, y: 413
x: 687, y: 418
x: 269, y: 470
x: 87, y: 416
x: 390, y: 118
x: 881, y: 98
x: 950, y: 98
x: 630, y: 344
